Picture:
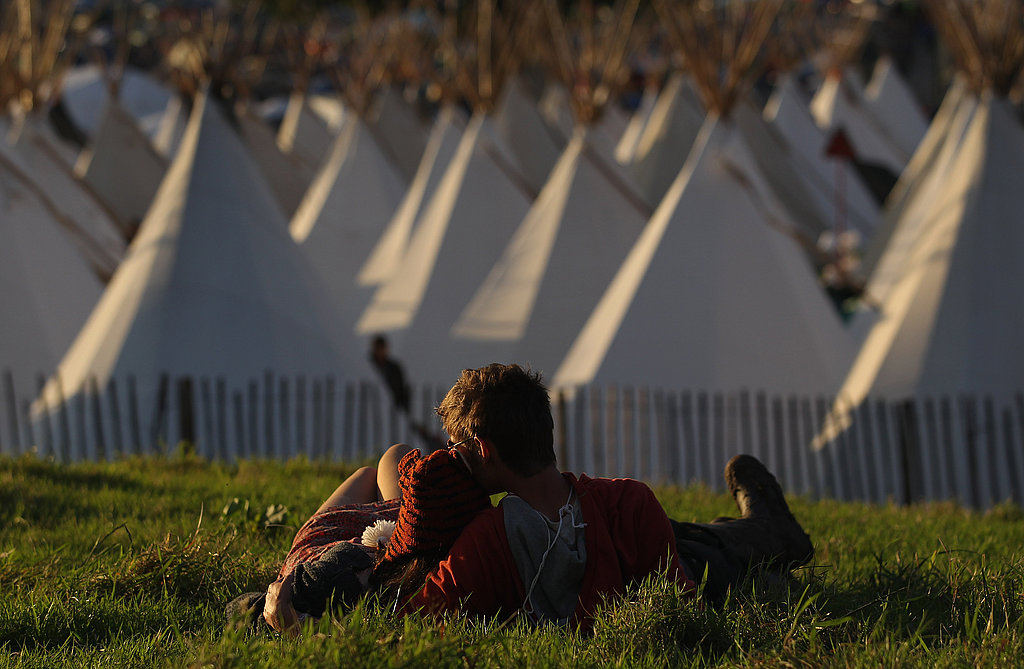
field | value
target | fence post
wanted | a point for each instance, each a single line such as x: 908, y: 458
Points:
x: 30, y: 437
x: 223, y: 418
x: 11, y: 403
x: 283, y: 418
x: 1010, y: 449
x: 796, y: 443
x: 158, y: 423
x: 300, y: 415
x: 561, y: 431
x: 805, y: 454
x: 133, y: 416
x: 716, y: 458
x: 62, y: 418
x: 689, y: 434
x: 349, y: 430
x: 329, y: 399
x: 186, y: 413
x: 241, y: 443
x: 115, y: 417
x: 269, y: 437
x: 97, y: 417
x: 206, y: 401
x: 81, y: 430
x: 997, y: 481
x: 870, y: 453
x: 580, y: 430
x: 318, y: 418
x: 907, y: 417
x: 255, y: 445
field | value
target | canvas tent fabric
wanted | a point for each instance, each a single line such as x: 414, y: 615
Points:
x: 287, y: 176
x: 303, y: 133
x: 712, y: 297
x: 534, y: 144
x: 345, y: 212
x: 85, y: 92
x: 787, y: 113
x: 46, y: 288
x: 625, y: 149
x: 121, y: 167
x: 398, y: 130
x: 385, y: 258
x: 170, y: 129
x: 949, y: 324
x: 667, y: 138
x: 839, y: 103
x: 557, y: 264
x: 890, y: 101
x: 922, y: 174
x: 92, y: 229
x: 212, y: 286
x: 457, y: 239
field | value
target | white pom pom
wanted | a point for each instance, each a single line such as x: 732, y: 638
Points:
x: 378, y: 534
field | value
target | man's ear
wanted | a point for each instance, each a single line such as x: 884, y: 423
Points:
x: 486, y: 448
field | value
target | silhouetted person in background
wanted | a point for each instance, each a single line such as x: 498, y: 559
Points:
x: 391, y: 372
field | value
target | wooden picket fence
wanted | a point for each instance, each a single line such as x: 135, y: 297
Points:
x: 275, y: 416
x: 969, y: 449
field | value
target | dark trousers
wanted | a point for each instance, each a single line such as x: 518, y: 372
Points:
x: 722, y: 553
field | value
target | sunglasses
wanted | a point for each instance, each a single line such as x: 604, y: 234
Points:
x: 450, y: 444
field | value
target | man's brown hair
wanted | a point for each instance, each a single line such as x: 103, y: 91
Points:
x: 508, y: 406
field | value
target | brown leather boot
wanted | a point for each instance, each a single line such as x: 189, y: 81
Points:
x: 767, y: 526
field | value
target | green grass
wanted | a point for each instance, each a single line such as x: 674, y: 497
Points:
x: 129, y: 564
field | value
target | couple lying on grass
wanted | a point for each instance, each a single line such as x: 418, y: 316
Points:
x: 422, y: 533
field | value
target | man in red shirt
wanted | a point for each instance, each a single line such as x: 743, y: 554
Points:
x: 557, y: 545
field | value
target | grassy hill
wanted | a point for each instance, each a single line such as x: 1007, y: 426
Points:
x: 129, y: 564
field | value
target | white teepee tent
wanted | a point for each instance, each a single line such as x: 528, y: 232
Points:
x: 287, y: 175
x: 303, y: 133
x: 46, y: 287
x: 711, y: 296
x: 345, y: 211
x: 385, y: 259
x: 457, y: 239
x: 788, y: 115
x: 535, y: 144
x: 212, y: 286
x: 948, y: 280
x: 554, y: 269
x: 890, y: 101
x: 949, y: 321
x: 625, y: 149
x: 85, y: 92
x: 839, y: 104
x: 121, y: 167
x: 923, y: 182
x: 399, y: 130
x: 95, y: 233
x: 667, y: 138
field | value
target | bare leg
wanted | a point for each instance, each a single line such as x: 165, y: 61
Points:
x: 369, y: 484
x: 359, y: 488
x: 387, y: 471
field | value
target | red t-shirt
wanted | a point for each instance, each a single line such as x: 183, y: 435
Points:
x: 627, y: 537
